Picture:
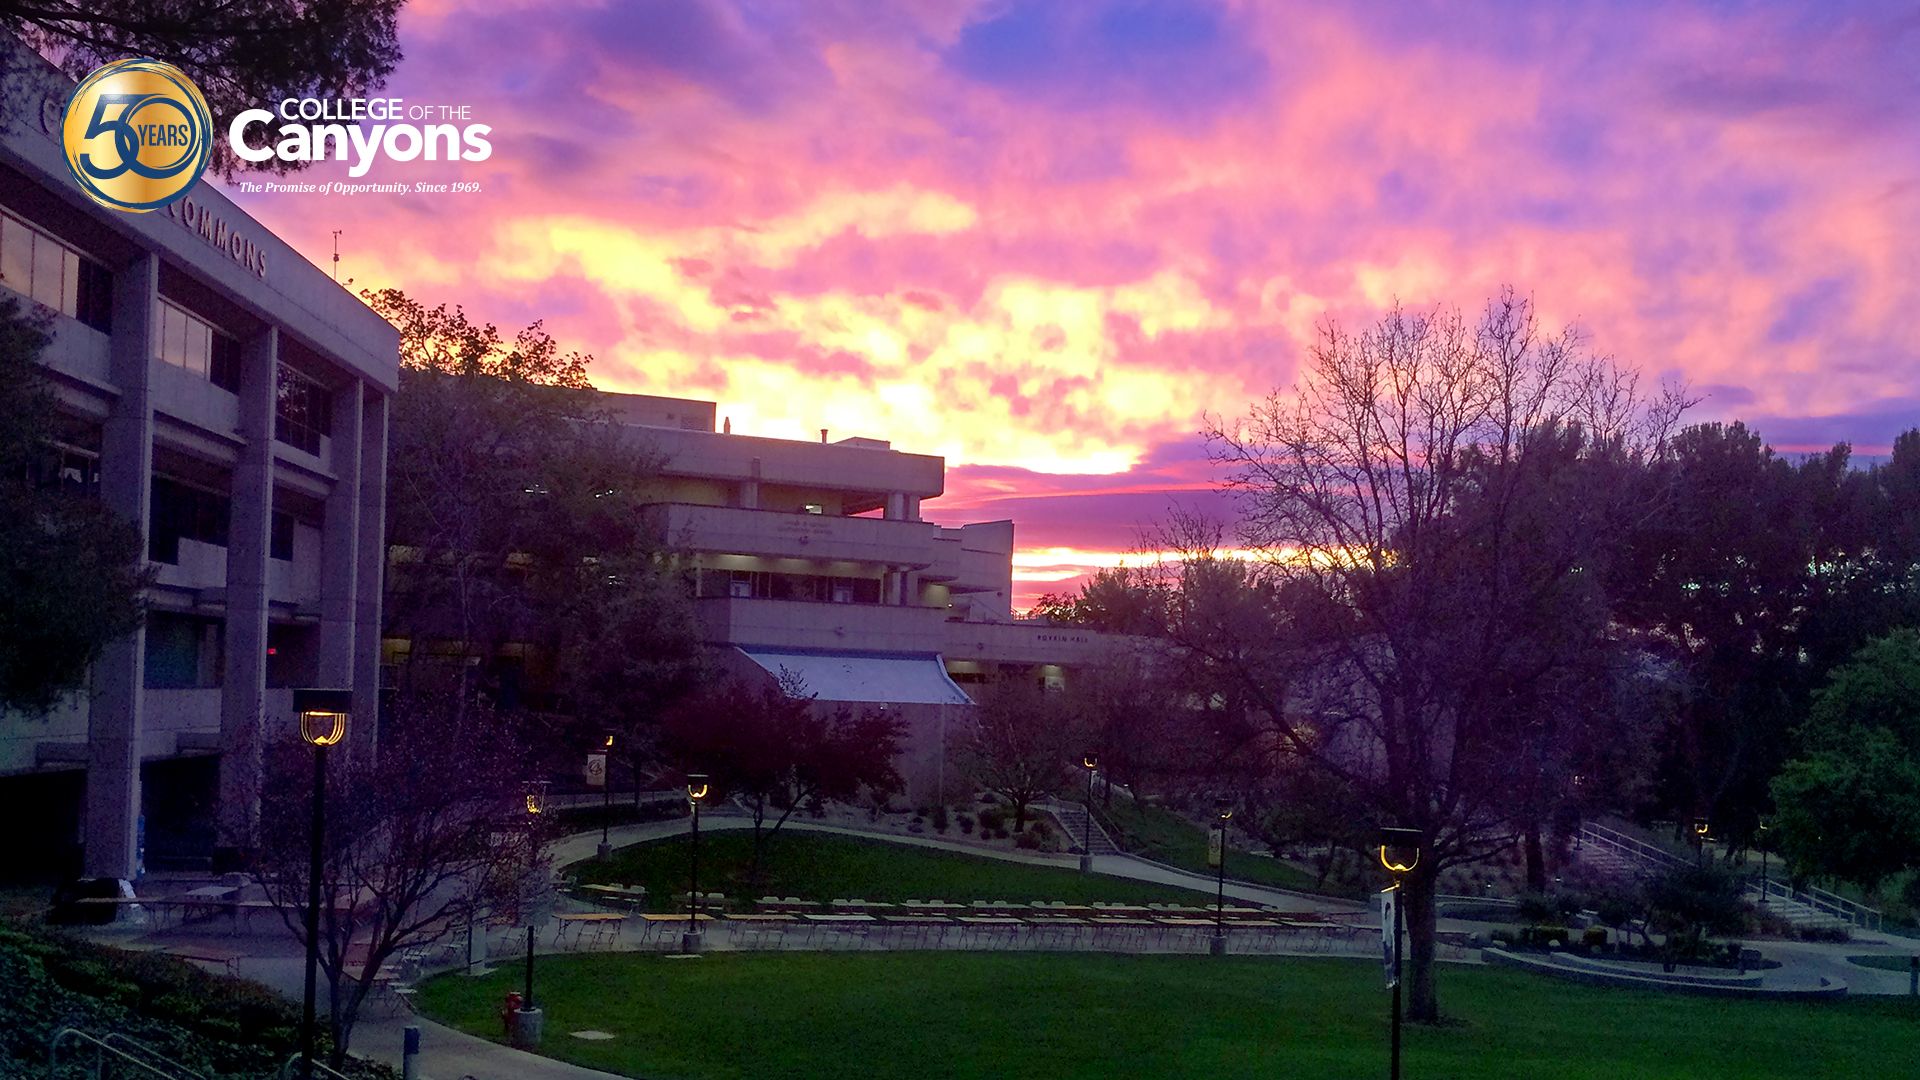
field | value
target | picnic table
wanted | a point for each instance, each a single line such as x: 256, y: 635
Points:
x: 207, y: 954
x: 604, y: 926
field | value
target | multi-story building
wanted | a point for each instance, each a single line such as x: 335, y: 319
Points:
x: 812, y: 558
x: 230, y: 399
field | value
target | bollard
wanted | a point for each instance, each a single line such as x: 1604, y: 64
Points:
x: 410, y: 1054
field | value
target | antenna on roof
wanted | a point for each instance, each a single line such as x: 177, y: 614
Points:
x: 726, y: 426
x: 336, y: 255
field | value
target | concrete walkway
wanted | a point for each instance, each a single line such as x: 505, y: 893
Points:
x: 452, y: 1055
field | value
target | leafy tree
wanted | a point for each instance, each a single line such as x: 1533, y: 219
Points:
x: 241, y: 55
x: 1849, y: 805
x: 1120, y: 600
x: 1020, y: 745
x: 516, y: 509
x: 1437, y: 501
x: 426, y: 839
x: 1690, y: 902
x: 71, y: 571
x: 775, y: 749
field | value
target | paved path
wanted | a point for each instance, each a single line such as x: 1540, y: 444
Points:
x: 451, y: 1055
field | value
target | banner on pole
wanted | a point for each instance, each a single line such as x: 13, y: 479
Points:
x: 1389, y: 941
x: 596, y: 770
x: 1216, y: 840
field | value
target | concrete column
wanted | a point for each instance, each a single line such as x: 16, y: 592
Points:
x: 243, y: 691
x: 896, y: 505
x: 750, y: 489
x: 913, y: 508
x: 339, y: 539
x: 126, y: 487
x: 372, y: 553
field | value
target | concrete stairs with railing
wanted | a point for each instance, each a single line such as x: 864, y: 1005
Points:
x: 1073, y: 822
x: 1618, y: 855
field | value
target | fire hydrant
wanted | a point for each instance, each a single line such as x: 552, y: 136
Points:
x: 508, y: 1011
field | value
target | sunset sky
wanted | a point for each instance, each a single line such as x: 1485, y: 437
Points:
x: 1044, y: 239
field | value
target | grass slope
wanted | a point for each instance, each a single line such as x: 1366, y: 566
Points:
x: 823, y: 866
x: 1164, y: 836
x: 988, y: 1016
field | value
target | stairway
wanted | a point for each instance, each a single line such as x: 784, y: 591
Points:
x: 1073, y: 822
x: 1619, y: 856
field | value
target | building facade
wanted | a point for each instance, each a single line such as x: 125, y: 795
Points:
x: 231, y: 400
x: 812, y: 560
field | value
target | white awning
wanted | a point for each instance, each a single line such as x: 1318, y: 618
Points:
x: 890, y: 678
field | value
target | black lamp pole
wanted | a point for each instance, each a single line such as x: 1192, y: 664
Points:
x: 1399, y: 853
x: 323, y: 723
x: 606, y: 796
x: 1223, y: 811
x: 314, y: 868
x: 696, y: 792
x: 1092, y: 764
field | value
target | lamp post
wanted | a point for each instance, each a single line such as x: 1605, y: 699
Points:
x: 697, y: 789
x: 1399, y: 854
x: 1223, y: 813
x: 1091, y: 763
x: 606, y: 799
x: 1700, y: 829
x: 323, y: 723
x: 527, y: 1025
x: 1763, y: 827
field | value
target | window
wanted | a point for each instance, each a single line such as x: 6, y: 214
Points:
x: 179, y: 512
x: 814, y: 508
x: 190, y: 342
x: 33, y: 263
x: 182, y: 652
x: 304, y: 412
x: 280, y: 537
x: 66, y: 469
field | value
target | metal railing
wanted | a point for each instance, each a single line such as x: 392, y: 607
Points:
x: 295, y: 1069
x: 1632, y: 847
x: 115, y: 1055
x: 1851, y: 912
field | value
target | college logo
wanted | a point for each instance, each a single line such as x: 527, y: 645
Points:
x: 137, y: 135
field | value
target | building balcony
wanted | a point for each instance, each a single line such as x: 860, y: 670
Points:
x: 812, y: 537
x: 801, y: 624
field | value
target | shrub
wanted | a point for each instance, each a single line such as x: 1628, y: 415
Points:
x: 1832, y: 934
x: 1595, y: 937
x: 940, y: 817
x: 994, y: 818
x: 966, y: 823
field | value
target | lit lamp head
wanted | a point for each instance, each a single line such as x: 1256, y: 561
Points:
x: 1223, y: 809
x: 1400, y: 849
x: 1700, y: 828
x: 323, y: 715
x: 609, y: 745
x: 697, y: 787
x: 1090, y: 762
x: 536, y: 798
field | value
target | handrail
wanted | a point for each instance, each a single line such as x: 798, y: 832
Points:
x: 1852, y: 912
x: 103, y: 1050
x: 138, y: 1048
x: 321, y: 1070
x: 1638, y: 849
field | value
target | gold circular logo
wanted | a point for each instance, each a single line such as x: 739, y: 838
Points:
x: 137, y: 135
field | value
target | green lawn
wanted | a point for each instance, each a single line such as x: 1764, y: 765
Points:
x: 823, y: 866
x: 1165, y: 836
x: 1884, y: 963
x: 994, y: 1016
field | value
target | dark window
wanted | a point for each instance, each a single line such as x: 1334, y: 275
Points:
x: 280, y: 539
x: 173, y: 651
x: 225, y: 370
x: 94, y: 303
x: 180, y: 512
x: 304, y: 411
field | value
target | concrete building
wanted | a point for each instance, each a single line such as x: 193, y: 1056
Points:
x: 230, y: 399
x: 811, y: 558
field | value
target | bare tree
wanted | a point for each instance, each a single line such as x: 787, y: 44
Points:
x: 426, y: 839
x: 1435, y: 502
x: 1019, y: 748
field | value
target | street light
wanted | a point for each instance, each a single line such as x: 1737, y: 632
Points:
x: 323, y: 723
x: 1223, y: 813
x: 1399, y: 854
x: 697, y: 789
x: 1091, y: 763
x: 1763, y: 827
x: 1700, y: 829
x: 606, y: 798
